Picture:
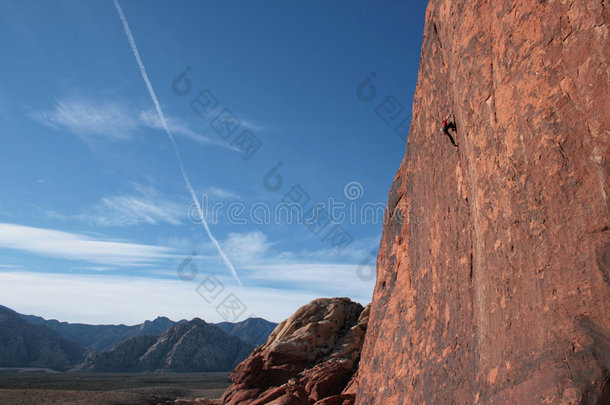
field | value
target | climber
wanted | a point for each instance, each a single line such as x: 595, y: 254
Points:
x: 447, y: 125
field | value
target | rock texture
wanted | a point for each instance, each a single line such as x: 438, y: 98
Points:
x: 26, y: 345
x: 309, y: 358
x: 193, y: 346
x: 493, y: 281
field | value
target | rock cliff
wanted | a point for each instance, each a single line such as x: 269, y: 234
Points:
x: 500, y: 291
x: 309, y: 358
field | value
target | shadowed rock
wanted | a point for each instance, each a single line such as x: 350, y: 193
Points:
x: 308, y: 358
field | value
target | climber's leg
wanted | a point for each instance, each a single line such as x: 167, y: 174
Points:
x: 451, y: 138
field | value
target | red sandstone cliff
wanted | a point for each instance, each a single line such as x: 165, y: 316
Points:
x: 502, y: 293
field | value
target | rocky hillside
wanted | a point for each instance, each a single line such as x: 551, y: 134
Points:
x: 26, y: 345
x: 193, y: 346
x: 309, y: 358
x: 499, y: 292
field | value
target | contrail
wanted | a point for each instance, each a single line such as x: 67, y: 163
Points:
x: 172, y: 140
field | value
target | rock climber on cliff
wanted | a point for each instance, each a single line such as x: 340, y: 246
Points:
x: 449, y: 124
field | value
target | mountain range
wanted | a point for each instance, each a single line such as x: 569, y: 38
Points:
x: 100, y: 338
x: 253, y: 330
x: 186, y: 347
x: 25, y: 345
x: 158, y: 345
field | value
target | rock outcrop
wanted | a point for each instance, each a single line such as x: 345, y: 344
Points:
x: 493, y: 282
x: 308, y: 359
x: 193, y: 346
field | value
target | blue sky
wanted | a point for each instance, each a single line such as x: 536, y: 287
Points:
x: 95, y: 217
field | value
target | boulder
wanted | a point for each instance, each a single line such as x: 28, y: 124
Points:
x: 308, y: 358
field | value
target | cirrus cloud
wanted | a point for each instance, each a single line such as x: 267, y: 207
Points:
x: 74, y: 246
x: 108, y: 120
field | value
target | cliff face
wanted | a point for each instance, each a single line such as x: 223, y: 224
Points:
x: 501, y: 294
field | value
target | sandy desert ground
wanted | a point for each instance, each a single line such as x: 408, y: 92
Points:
x: 21, y: 387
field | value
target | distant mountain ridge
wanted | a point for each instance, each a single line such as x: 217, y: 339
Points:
x: 255, y: 331
x: 158, y: 345
x: 101, y: 338
x: 25, y: 345
x: 187, y: 347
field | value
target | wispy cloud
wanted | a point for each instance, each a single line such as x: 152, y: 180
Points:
x: 221, y: 193
x: 74, y: 246
x: 321, y: 279
x: 133, y: 210
x: 276, y: 286
x: 91, y: 120
x: 320, y: 272
x: 150, y: 119
x: 359, y: 250
x: 102, y: 120
x: 143, y: 205
x: 262, y: 264
x: 253, y: 126
x: 103, y: 298
x: 247, y: 247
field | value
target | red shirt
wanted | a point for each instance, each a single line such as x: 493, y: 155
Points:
x: 444, y: 123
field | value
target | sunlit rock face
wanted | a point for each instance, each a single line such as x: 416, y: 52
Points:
x: 494, y: 268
